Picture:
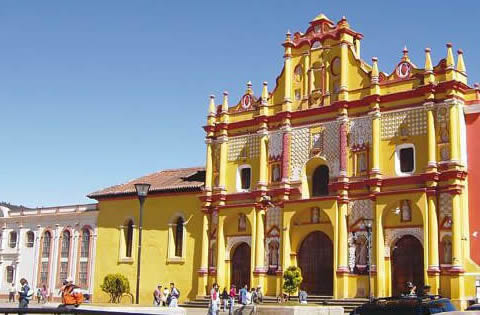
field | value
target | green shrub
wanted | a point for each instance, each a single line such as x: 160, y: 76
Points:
x: 115, y: 285
x: 292, y: 279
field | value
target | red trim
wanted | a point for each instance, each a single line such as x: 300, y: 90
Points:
x: 400, y: 192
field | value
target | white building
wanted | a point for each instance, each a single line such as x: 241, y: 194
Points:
x: 47, y: 245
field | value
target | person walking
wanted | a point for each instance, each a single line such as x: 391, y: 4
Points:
x: 214, y: 300
x: 25, y: 294
x: 11, y: 293
x: 232, y: 294
x: 156, y: 296
x: 174, y: 295
x: 225, y: 299
x: 243, y: 295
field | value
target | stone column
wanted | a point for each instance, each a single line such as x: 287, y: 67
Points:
x: 433, y: 267
x: 432, y: 143
x: 220, y: 252
x: 379, y: 251
x: 342, y: 251
x: 344, y: 65
x: 306, y: 66
x: 203, y: 270
x: 260, y: 247
x: 457, y: 252
x: 376, y: 133
x: 263, y: 159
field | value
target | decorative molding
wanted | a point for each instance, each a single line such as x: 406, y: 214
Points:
x: 394, y: 234
x: 235, y: 240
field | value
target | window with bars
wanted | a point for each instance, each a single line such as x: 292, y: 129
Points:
x: 44, y: 272
x: 10, y: 271
x: 83, y: 274
x: 65, y: 250
x: 128, y: 239
x: 30, y: 239
x: 47, y: 240
x: 63, y: 271
x: 85, y: 245
x: 13, y: 239
x: 179, y: 238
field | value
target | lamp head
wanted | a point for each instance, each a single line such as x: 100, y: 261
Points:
x: 142, y: 189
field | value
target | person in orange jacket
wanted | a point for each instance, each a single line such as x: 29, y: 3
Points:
x: 71, y: 295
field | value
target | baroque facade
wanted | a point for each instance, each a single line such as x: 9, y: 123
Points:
x: 46, y: 246
x: 293, y: 175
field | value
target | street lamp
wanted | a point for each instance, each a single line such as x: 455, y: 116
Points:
x: 142, y: 192
x: 368, y: 223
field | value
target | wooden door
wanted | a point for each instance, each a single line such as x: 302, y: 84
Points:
x: 240, y: 275
x: 407, y: 264
x: 315, y: 259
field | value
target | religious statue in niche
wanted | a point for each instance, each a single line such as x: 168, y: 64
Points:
x: 273, y: 256
x: 444, y: 154
x: 351, y: 251
x: 406, y: 211
x: 276, y: 174
x: 242, y: 223
x: 315, y: 215
x: 361, y: 162
x: 447, y: 251
x: 361, y: 254
x: 403, y: 130
x: 444, y: 137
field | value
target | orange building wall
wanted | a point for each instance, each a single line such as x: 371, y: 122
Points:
x: 473, y: 145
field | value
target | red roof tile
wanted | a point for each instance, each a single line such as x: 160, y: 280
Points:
x: 175, y: 180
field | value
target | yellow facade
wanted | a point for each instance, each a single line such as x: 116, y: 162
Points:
x: 336, y: 142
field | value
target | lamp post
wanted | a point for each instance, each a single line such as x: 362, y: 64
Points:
x: 367, y: 223
x: 142, y: 192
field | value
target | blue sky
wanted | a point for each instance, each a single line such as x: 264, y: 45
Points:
x: 95, y: 93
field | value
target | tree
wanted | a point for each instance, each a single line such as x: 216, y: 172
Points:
x: 115, y: 285
x: 292, y: 278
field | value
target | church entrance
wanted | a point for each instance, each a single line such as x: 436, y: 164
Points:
x: 407, y: 264
x: 315, y: 259
x: 240, y: 274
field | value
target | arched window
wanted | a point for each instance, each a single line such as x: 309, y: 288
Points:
x: 320, y: 181
x: 45, y: 257
x: 30, y: 239
x: 12, y: 242
x: 64, y: 262
x: 10, y: 272
x: 65, y: 250
x: 84, y: 258
x: 179, y: 237
x: 47, y: 241
x: 128, y: 233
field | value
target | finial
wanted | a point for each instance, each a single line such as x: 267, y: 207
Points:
x: 476, y: 85
x: 375, y: 73
x: 428, y: 61
x: 343, y: 22
x: 225, y: 102
x: 249, y: 86
x: 288, y: 36
x: 211, y: 106
x: 460, y: 63
x: 405, y: 53
x: 450, y: 61
x: 265, y: 93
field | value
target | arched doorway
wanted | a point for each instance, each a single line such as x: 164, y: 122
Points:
x: 240, y: 274
x: 407, y: 264
x: 315, y: 259
x: 320, y: 181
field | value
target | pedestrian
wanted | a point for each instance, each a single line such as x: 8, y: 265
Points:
x: 25, y: 294
x: 39, y: 295
x: 165, y: 295
x: 44, y: 293
x: 232, y: 295
x: 225, y: 299
x: 156, y: 296
x: 243, y: 295
x: 250, y: 296
x: 214, y: 300
x: 259, y: 294
x: 71, y: 294
x: 302, y: 296
x: 174, y: 295
x: 11, y: 293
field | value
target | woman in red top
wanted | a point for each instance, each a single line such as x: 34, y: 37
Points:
x: 232, y: 294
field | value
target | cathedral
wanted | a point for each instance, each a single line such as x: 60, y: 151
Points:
x: 362, y: 178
